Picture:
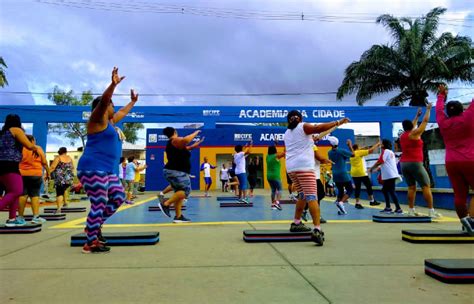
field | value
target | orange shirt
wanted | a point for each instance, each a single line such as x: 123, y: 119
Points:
x: 29, y: 165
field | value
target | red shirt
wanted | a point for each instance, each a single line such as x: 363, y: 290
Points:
x: 412, y: 149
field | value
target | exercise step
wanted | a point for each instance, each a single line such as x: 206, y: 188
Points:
x: 121, y: 238
x: 436, y: 236
x: 451, y: 271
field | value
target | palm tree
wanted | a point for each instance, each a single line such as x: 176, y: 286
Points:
x: 414, y: 64
x: 3, y: 78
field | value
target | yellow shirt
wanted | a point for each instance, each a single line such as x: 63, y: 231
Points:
x: 137, y: 177
x: 358, y: 166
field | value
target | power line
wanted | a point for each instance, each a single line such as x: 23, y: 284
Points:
x: 201, y: 94
x: 158, y: 8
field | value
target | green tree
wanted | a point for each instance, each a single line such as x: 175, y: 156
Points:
x: 71, y: 130
x: 3, y: 77
x: 75, y: 130
x: 415, y: 63
x: 131, y: 131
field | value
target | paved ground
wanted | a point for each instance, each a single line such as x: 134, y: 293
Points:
x: 207, y: 262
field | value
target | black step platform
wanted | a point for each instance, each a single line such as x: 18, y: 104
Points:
x: 396, y: 218
x: 157, y: 208
x: 255, y: 236
x: 236, y: 204
x: 48, y: 216
x: 452, y: 271
x: 227, y: 198
x: 66, y: 209
x: 121, y: 238
x: 287, y: 202
x: 28, y: 228
x: 436, y: 236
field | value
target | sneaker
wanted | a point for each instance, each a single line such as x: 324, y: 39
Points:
x: 468, y: 225
x: 185, y: 201
x: 398, y: 211
x: 322, y: 220
x: 38, y: 220
x: 299, y: 228
x: 293, y: 197
x: 341, y: 208
x: 181, y: 219
x: 161, y: 197
x: 277, y: 205
x: 244, y: 201
x: 101, y: 238
x: 413, y: 213
x: 317, y: 236
x: 274, y: 207
x: 304, y: 215
x: 386, y: 210
x: 164, y: 209
x: 434, y: 214
x: 359, y: 206
x: 129, y: 202
x: 15, y: 223
x: 374, y: 203
x: 95, y: 247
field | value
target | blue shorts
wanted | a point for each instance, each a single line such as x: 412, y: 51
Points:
x: 242, y: 181
x: 275, y: 185
x: 208, y: 180
x: 178, y: 180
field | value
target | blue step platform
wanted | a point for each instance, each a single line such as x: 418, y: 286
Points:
x: 157, y: 208
x: 121, y: 238
x: 395, y: 218
x: 257, y: 236
x: 451, y: 271
x: 236, y: 204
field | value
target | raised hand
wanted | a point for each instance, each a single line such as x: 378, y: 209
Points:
x: 418, y: 113
x: 443, y: 89
x: 344, y: 120
x: 429, y: 106
x: 133, y: 95
x: 349, y: 142
x: 116, y: 79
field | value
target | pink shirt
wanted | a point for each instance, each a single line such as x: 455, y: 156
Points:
x: 457, y: 132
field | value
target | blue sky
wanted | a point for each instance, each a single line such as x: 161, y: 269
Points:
x: 49, y: 42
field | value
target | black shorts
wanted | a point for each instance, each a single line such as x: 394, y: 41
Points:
x: 60, y: 189
x: 32, y: 185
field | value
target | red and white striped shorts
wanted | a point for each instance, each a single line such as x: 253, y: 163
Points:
x: 305, y: 182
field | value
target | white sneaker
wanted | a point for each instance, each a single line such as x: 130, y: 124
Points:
x: 38, y: 220
x: 434, y: 214
x: 413, y: 213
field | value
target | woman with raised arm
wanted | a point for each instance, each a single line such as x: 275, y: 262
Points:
x: 12, y: 141
x: 457, y: 127
x: 300, y: 166
x: 412, y: 162
x: 97, y: 167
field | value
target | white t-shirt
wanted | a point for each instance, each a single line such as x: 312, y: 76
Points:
x: 224, y: 174
x: 239, y: 160
x: 299, y: 150
x: 317, y: 165
x: 389, y: 166
x: 206, y: 167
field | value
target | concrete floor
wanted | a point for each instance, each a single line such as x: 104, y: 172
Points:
x: 360, y: 262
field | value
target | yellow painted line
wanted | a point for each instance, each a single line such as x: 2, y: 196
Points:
x: 75, y: 223
x: 209, y: 223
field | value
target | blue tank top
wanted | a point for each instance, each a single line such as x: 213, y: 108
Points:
x: 102, y: 152
x: 10, y: 150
